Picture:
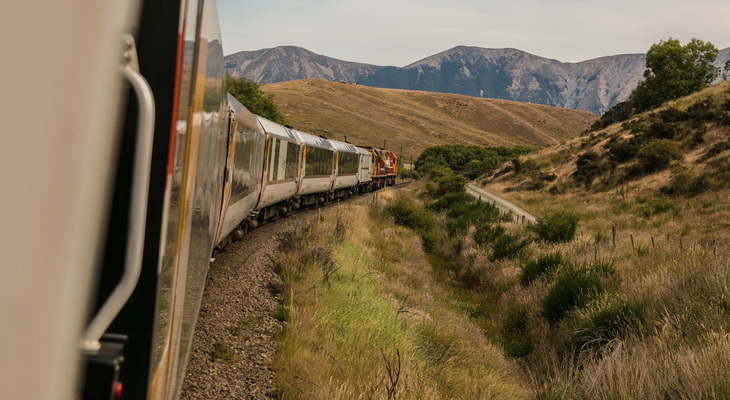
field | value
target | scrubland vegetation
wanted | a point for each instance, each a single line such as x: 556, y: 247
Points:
x: 646, y: 317
x: 436, y: 295
x: 368, y: 317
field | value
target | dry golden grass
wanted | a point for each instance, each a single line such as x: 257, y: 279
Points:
x: 416, y: 120
x: 380, y: 309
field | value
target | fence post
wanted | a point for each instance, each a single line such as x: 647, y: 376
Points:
x: 632, y: 243
x: 613, y: 236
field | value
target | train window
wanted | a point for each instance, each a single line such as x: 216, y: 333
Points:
x: 347, y: 164
x: 292, y: 160
x: 274, y: 160
x: 319, y: 162
x: 243, y: 158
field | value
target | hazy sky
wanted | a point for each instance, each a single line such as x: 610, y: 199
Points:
x: 399, y: 32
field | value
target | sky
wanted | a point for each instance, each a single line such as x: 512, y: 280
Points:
x: 400, y: 32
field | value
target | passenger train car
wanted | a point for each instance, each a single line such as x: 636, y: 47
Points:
x: 117, y: 186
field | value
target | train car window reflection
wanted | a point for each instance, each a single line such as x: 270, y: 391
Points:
x: 319, y: 162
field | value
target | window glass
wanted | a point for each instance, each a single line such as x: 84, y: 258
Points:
x: 319, y: 162
x: 347, y: 164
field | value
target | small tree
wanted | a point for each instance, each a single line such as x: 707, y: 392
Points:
x: 657, y: 155
x: 673, y: 71
x: 256, y: 101
x: 557, y: 227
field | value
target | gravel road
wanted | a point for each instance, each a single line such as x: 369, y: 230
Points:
x: 503, y: 204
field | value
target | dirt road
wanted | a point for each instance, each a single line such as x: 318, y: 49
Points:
x: 503, y: 204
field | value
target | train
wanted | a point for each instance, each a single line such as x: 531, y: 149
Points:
x: 126, y: 165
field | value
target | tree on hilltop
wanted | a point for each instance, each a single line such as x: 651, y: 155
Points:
x: 256, y: 101
x: 673, y: 71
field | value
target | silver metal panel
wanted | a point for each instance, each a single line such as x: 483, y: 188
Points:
x: 277, y: 192
x: 345, y: 181
x: 313, y: 141
x: 343, y: 146
x: 366, y: 160
x: 315, y: 185
x: 278, y: 131
x: 245, y: 165
x: 193, y: 211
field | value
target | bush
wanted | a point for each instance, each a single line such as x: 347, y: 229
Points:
x: 517, y: 348
x: 573, y: 288
x: 486, y: 233
x: 686, y: 183
x: 621, y: 150
x: 619, y: 112
x: 605, y: 324
x: 658, y: 206
x: 657, y: 155
x: 557, y: 227
x: 545, y: 263
x: 406, y: 212
x: 408, y: 174
x: 508, y: 246
x: 589, y: 166
x: 450, y: 200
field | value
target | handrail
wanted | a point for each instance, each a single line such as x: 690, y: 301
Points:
x: 138, y: 203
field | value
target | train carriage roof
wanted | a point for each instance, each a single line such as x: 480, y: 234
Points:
x: 278, y: 131
x: 343, y: 147
x: 314, y: 141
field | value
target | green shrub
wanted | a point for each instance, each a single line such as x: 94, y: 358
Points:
x: 605, y: 324
x: 449, y: 200
x: 408, y: 174
x: 574, y: 287
x: 657, y: 155
x: 486, y: 233
x: 589, y: 166
x: 661, y: 130
x: 515, y: 320
x: 603, y: 267
x: 533, y: 269
x: 658, y: 206
x: 685, y: 183
x: 557, y: 227
x: 280, y: 313
x: 517, y: 348
x: 406, y: 212
x: 508, y: 246
x: 621, y: 150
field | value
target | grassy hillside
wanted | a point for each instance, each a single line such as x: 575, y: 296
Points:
x: 644, y: 316
x: 416, y: 120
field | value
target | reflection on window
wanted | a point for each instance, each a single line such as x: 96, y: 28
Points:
x: 283, y: 159
x: 319, y: 162
x: 347, y: 164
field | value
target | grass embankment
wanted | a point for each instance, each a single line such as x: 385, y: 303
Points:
x: 366, y: 318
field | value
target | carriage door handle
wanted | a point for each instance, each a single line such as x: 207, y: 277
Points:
x: 138, y: 202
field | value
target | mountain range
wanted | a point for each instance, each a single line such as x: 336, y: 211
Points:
x: 509, y: 74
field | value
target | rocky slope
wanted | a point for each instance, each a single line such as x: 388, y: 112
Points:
x: 287, y: 63
x: 509, y: 74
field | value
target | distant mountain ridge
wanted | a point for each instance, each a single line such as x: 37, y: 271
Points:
x: 509, y: 74
x: 288, y: 63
